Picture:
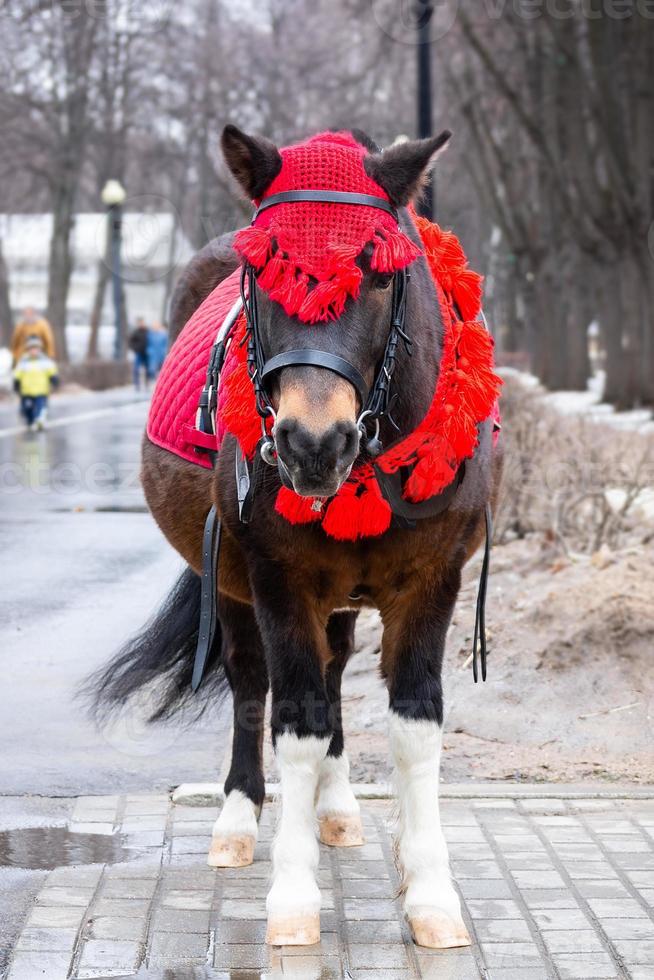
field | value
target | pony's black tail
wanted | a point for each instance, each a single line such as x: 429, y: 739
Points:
x: 157, y: 663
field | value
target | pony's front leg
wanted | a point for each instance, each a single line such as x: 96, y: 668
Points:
x: 414, y: 639
x: 339, y: 816
x: 295, y: 649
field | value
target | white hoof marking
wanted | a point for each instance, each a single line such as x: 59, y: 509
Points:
x: 234, y: 833
x: 338, y: 810
x: 431, y: 903
x: 293, y: 902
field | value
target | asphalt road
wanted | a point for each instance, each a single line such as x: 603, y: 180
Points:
x: 82, y: 566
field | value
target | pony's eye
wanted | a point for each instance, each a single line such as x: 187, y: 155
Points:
x: 383, y: 280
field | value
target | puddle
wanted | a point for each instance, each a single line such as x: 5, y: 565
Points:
x: 44, y: 848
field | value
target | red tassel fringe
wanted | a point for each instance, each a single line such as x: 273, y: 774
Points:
x: 296, y: 509
x: 466, y: 391
x: 285, y: 282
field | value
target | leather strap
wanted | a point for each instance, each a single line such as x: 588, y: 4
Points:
x: 208, y: 600
x: 480, y: 612
x: 309, y: 356
x: 390, y: 485
x: 325, y: 197
x: 203, y: 441
x: 243, y: 483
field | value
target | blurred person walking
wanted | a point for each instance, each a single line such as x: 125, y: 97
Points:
x: 157, y: 347
x: 34, y: 377
x: 32, y: 325
x: 139, y: 341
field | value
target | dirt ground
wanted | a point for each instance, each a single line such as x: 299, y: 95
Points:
x: 570, y: 691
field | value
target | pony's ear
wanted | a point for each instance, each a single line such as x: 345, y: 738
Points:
x: 401, y: 169
x: 254, y: 160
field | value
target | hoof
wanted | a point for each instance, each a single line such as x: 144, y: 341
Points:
x: 231, y: 852
x: 298, y: 930
x: 344, y: 830
x: 438, y: 931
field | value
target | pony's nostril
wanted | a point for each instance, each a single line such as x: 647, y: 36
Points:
x: 352, y: 437
x: 283, y: 433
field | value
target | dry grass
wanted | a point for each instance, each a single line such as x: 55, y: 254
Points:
x: 581, y: 484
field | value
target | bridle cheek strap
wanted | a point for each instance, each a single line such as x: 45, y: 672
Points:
x: 311, y: 357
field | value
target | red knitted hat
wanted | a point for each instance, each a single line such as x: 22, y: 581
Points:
x: 305, y: 253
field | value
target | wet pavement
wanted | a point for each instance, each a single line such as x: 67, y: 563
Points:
x: 83, y: 566
x: 46, y: 848
x: 552, y: 888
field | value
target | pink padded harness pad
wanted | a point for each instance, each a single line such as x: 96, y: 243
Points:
x: 171, y: 420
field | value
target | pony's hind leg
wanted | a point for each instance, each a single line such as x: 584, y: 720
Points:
x: 339, y: 817
x: 411, y: 659
x: 236, y: 829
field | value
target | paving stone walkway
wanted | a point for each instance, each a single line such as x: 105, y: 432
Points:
x: 552, y: 888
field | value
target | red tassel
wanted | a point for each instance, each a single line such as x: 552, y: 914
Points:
x: 343, y: 517
x: 467, y: 289
x: 293, y: 294
x: 392, y: 251
x: 382, y: 258
x: 296, y: 509
x: 375, y: 514
x: 341, y: 257
x: 403, y: 250
x: 239, y: 413
x: 460, y: 434
x: 431, y: 474
x: 451, y: 250
x: 317, y: 305
x: 255, y: 244
x: 349, y: 278
x: 272, y: 274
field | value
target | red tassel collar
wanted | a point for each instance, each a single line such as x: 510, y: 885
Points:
x: 465, y: 395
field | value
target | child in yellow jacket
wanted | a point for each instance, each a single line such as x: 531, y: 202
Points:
x: 34, y: 377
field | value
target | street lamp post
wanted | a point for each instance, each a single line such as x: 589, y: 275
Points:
x: 113, y: 197
x: 424, y: 10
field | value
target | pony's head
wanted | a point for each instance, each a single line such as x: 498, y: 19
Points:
x: 324, y: 278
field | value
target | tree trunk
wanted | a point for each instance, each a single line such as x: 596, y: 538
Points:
x: 6, y: 316
x: 579, y: 312
x: 646, y: 304
x: 96, y: 313
x: 577, y: 362
x: 60, y: 268
x: 611, y: 325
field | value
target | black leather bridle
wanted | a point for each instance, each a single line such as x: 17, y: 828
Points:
x: 375, y: 401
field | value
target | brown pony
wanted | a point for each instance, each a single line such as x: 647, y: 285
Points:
x: 288, y: 594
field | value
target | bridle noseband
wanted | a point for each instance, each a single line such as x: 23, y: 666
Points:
x: 375, y: 401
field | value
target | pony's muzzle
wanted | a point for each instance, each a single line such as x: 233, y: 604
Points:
x: 315, y: 464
